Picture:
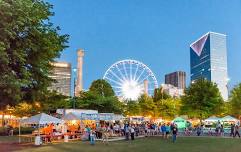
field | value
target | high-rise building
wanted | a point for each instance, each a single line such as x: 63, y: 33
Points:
x: 172, y: 90
x: 208, y: 57
x: 177, y: 79
x: 62, y: 76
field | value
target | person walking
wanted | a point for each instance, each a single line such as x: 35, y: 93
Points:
x: 174, y: 133
x: 232, y: 130
x: 236, y: 131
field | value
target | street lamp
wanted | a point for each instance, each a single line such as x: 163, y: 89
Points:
x: 74, y: 71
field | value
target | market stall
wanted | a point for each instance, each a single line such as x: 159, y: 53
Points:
x: 45, y: 121
x: 180, y: 122
x: 228, y: 120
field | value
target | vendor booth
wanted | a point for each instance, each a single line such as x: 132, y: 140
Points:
x: 228, y: 120
x: 46, y: 125
x: 180, y: 122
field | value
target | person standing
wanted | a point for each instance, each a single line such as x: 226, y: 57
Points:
x: 198, y: 130
x: 167, y: 131
x: 163, y: 130
x: 174, y: 133
x: 232, y: 130
x: 236, y: 131
x: 92, y: 137
x: 132, y: 133
x: 126, y: 132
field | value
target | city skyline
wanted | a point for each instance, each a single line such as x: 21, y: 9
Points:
x: 108, y: 34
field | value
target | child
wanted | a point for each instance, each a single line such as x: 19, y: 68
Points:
x: 92, y: 137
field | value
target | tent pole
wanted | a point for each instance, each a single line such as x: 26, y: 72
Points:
x: 39, y: 129
x: 19, y: 131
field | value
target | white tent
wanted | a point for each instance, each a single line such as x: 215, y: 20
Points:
x: 212, y: 119
x: 71, y: 116
x: 229, y: 118
x: 41, y: 119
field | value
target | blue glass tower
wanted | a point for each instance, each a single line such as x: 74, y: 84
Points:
x: 208, y: 59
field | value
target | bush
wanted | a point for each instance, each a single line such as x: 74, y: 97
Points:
x: 24, y: 130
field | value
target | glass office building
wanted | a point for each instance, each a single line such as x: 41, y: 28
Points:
x: 208, y: 57
x: 177, y: 79
x: 61, y: 74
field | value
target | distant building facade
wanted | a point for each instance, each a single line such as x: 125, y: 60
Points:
x: 208, y: 59
x: 172, y: 90
x: 177, y: 79
x: 62, y: 75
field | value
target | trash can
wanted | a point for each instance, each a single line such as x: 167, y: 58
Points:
x: 37, y: 141
x: 66, y: 138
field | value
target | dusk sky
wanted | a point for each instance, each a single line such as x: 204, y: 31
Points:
x: 155, y: 32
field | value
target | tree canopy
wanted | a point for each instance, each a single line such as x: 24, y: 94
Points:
x: 28, y: 43
x: 160, y: 94
x: 102, y: 88
x: 235, y: 101
x: 202, y: 99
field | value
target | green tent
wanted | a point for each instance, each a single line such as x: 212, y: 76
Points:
x: 181, y: 123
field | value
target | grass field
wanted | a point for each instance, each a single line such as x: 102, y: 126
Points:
x: 152, y: 144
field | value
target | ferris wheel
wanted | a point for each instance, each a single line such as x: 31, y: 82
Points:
x: 130, y: 79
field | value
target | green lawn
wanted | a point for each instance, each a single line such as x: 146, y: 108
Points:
x: 152, y: 144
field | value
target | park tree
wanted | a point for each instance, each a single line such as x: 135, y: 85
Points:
x: 235, y: 101
x: 100, y: 97
x: 54, y: 100
x: 168, y: 108
x: 102, y: 88
x: 148, y: 107
x: 24, y: 109
x: 28, y: 43
x: 202, y: 99
x: 159, y: 94
x: 132, y: 108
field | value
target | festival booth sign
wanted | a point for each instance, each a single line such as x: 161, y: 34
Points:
x: 76, y: 117
x: 211, y: 121
x: 136, y: 119
x: 106, y: 116
x: 117, y: 117
x: 75, y: 120
x: 39, y: 119
x: 180, y: 122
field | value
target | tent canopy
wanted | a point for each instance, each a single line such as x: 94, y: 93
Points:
x: 212, y: 118
x: 41, y: 119
x: 229, y: 118
x: 71, y: 116
x: 181, y: 123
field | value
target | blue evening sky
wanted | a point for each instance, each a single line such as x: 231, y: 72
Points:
x: 155, y: 32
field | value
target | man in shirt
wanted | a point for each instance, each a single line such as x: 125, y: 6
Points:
x: 174, y: 133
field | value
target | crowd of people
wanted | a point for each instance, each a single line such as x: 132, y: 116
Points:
x: 165, y: 130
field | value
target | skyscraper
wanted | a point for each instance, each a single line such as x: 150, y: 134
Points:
x: 62, y: 75
x: 208, y: 57
x: 177, y: 79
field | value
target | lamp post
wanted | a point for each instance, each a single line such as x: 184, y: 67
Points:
x: 74, y: 71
